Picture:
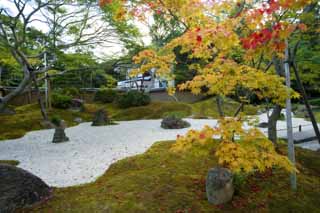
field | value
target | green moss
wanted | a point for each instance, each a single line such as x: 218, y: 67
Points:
x: 10, y: 162
x: 208, y: 108
x: 28, y: 118
x: 153, y: 111
x: 162, y: 181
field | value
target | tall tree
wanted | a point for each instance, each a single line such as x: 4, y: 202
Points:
x: 65, y: 26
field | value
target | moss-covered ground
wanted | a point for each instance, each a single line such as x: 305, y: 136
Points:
x: 162, y: 181
x: 10, y: 162
x: 28, y: 117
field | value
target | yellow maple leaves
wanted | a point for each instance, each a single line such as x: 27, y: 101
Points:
x: 239, y: 150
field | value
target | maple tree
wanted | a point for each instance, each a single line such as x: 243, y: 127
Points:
x: 213, y: 31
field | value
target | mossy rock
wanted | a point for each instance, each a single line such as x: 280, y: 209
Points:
x: 172, y: 122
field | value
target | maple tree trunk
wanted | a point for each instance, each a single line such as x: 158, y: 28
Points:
x: 219, y: 105
x: 272, y: 124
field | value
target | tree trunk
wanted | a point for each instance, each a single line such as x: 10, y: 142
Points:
x: 306, y: 102
x: 40, y: 101
x: 219, y: 105
x: 272, y: 124
x: 272, y: 120
x: 17, y: 91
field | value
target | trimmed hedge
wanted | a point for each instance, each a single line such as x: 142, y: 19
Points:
x: 71, y: 91
x: 105, y: 95
x: 61, y: 101
x: 132, y: 99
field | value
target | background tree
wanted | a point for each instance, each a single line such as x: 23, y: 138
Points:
x: 68, y: 25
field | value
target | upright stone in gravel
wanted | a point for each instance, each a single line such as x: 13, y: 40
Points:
x: 59, y: 133
x: 19, y: 188
x: 101, y: 118
x: 219, y: 186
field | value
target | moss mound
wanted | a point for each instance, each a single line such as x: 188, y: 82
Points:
x: 153, y: 111
x: 28, y: 118
x: 10, y: 162
x: 161, y: 181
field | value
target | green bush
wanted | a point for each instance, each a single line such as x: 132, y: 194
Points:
x: 133, y: 98
x: 315, y: 102
x: 61, y: 101
x: 105, y: 95
x: 71, y: 91
x: 56, y: 120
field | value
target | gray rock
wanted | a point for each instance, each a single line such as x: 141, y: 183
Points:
x: 172, y: 122
x: 101, y: 118
x: 78, y: 120
x: 219, y: 186
x: 59, y: 133
x: 8, y: 111
x: 47, y: 124
x: 19, y: 188
x: 263, y: 125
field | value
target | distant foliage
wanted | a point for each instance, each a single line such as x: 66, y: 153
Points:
x: 315, y: 102
x: 56, y: 120
x: 105, y: 95
x: 71, y: 91
x: 251, y: 152
x: 61, y: 101
x: 133, y: 98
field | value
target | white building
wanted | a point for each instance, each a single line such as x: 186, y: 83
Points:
x: 148, y: 82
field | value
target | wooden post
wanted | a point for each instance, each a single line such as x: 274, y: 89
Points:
x: 49, y: 94
x: 291, y: 153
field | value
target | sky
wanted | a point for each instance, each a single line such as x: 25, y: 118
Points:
x: 110, y: 49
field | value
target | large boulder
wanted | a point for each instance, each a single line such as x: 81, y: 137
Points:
x: 173, y: 122
x: 19, y: 188
x: 219, y: 186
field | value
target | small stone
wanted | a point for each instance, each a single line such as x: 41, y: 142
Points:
x: 263, y: 125
x: 172, y: 122
x: 47, y: 124
x: 78, y: 120
x: 8, y: 111
x: 219, y: 186
x: 59, y: 133
x: 101, y: 118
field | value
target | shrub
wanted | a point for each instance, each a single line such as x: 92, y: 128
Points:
x: 173, y: 121
x: 61, y: 101
x: 105, y: 95
x: 71, y: 91
x: 315, y: 102
x: 133, y: 98
x: 55, y: 120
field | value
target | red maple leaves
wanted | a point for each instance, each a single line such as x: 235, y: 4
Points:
x: 262, y: 37
x: 102, y: 3
x: 257, y: 39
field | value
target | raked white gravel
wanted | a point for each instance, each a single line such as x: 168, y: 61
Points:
x: 91, y: 150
